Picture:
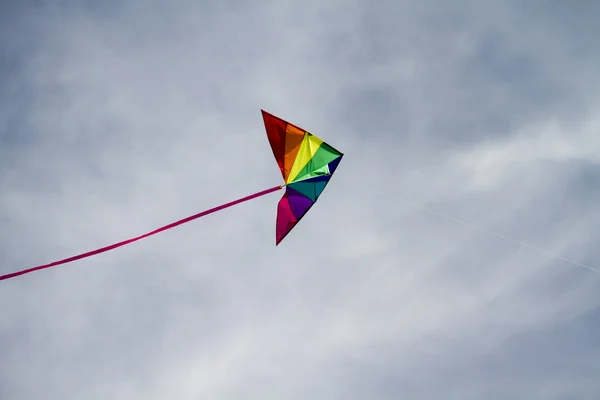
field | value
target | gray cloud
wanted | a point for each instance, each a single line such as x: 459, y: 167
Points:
x: 121, y: 117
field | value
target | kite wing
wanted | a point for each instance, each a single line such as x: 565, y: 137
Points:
x: 306, y: 163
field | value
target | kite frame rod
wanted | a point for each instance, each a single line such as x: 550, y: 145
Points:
x: 145, y: 235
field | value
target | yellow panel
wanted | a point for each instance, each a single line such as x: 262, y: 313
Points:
x: 293, y: 140
x: 308, y: 148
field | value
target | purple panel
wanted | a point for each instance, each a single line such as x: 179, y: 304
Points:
x: 298, y: 202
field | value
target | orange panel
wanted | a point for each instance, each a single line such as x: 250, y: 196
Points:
x: 293, y: 139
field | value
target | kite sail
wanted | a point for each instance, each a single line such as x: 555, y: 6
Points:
x: 306, y: 163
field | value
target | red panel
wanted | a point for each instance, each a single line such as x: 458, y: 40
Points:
x: 285, y: 219
x: 276, y: 131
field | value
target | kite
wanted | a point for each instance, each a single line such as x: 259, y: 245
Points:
x: 306, y: 163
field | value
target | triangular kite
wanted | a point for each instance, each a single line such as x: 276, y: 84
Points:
x: 306, y: 163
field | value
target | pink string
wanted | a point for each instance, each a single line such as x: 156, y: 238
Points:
x: 135, y: 239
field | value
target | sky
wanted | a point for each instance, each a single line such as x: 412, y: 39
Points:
x: 118, y: 117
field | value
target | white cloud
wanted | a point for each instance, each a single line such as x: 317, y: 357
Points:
x: 546, y: 142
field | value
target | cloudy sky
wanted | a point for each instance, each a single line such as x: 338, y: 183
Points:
x: 119, y: 117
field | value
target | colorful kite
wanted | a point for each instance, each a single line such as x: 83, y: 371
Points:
x: 306, y: 163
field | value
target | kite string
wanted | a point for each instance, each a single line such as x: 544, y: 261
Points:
x: 145, y: 235
x: 475, y: 227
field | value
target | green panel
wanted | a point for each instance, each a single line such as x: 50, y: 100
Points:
x: 330, y: 150
x: 312, y: 190
x: 319, y: 186
x: 322, y: 157
x: 306, y: 188
x: 324, y: 170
